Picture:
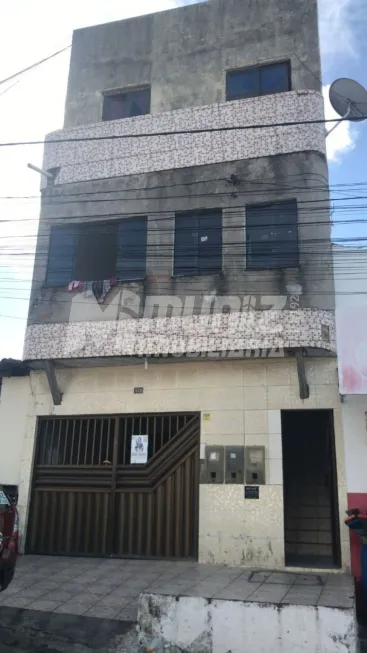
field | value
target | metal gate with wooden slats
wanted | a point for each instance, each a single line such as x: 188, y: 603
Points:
x: 88, y: 499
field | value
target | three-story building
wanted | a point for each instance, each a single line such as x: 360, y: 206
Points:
x: 181, y: 332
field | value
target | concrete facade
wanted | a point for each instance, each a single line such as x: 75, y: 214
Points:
x: 160, y: 176
x: 302, y: 176
x: 184, y: 54
x: 198, y: 624
x: 244, y: 400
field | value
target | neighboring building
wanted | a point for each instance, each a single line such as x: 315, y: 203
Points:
x: 200, y: 311
x: 350, y: 268
x: 14, y: 411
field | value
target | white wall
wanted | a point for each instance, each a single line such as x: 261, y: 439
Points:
x: 354, y: 418
x: 350, y: 274
x: 14, y: 400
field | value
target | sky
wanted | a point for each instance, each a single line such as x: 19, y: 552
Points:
x: 33, y: 105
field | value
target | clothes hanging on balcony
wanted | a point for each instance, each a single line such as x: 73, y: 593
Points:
x: 76, y: 286
x: 99, y: 289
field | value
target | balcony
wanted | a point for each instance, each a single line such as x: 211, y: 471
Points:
x: 116, y: 157
x: 219, y: 334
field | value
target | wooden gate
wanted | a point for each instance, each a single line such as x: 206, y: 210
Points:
x: 88, y: 499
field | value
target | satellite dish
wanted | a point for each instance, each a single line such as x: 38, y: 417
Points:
x: 348, y: 99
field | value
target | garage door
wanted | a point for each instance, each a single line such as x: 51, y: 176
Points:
x: 94, y: 494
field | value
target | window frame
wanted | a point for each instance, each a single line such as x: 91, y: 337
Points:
x: 78, y: 228
x: 125, y: 91
x: 260, y: 205
x: 258, y: 67
x: 198, y: 214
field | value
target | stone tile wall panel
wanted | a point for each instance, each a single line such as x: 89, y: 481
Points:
x: 88, y: 160
x: 181, y: 335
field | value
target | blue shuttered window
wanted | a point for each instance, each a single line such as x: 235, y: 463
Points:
x: 61, y: 257
x: 131, y: 249
x: 198, y: 243
x: 272, y: 236
x: 95, y: 252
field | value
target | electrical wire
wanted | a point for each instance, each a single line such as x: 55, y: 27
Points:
x: 9, y: 88
x: 203, y: 195
x: 313, y: 207
x: 59, y: 198
x: 112, y: 137
x: 160, y: 134
x: 240, y: 180
x: 34, y: 65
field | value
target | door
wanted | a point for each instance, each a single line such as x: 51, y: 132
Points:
x: 89, y: 498
x: 311, y: 526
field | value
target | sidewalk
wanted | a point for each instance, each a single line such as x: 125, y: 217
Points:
x: 110, y: 588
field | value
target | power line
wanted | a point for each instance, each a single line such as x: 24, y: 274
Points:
x: 235, y: 184
x: 256, y: 244
x: 109, y: 229
x: 316, y: 205
x: 53, y: 199
x: 237, y: 192
x: 61, y: 198
x: 9, y: 88
x: 293, y: 123
x: 34, y: 65
x: 323, y: 274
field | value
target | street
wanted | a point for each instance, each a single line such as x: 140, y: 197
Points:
x: 31, y: 631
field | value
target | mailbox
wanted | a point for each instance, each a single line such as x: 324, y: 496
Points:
x: 255, y: 465
x: 235, y: 464
x: 213, y: 471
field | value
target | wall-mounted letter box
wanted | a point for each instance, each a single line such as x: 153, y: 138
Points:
x: 255, y: 465
x: 235, y: 464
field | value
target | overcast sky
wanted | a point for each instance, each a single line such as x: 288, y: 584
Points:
x: 31, y: 30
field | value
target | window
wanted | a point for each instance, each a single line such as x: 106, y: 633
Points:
x: 126, y: 105
x: 198, y: 243
x: 272, y: 236
x: 259, y: 80
x: 95, y: 252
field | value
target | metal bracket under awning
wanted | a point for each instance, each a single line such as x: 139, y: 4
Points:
x: 304, y: 388
x: 52, y: 382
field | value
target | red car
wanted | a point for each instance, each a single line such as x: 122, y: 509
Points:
x: 9, y: 521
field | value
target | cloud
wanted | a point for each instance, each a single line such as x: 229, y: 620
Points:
x: 340, y: 24
x: 343, y: 138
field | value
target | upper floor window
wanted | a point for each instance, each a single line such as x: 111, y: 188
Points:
x: 198, y: 243
x: 272, y: 235
x: 95, y: 252
x: 126, y: 105
x: 259, y: 80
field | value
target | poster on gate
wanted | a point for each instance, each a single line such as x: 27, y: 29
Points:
x: 139, y: 449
